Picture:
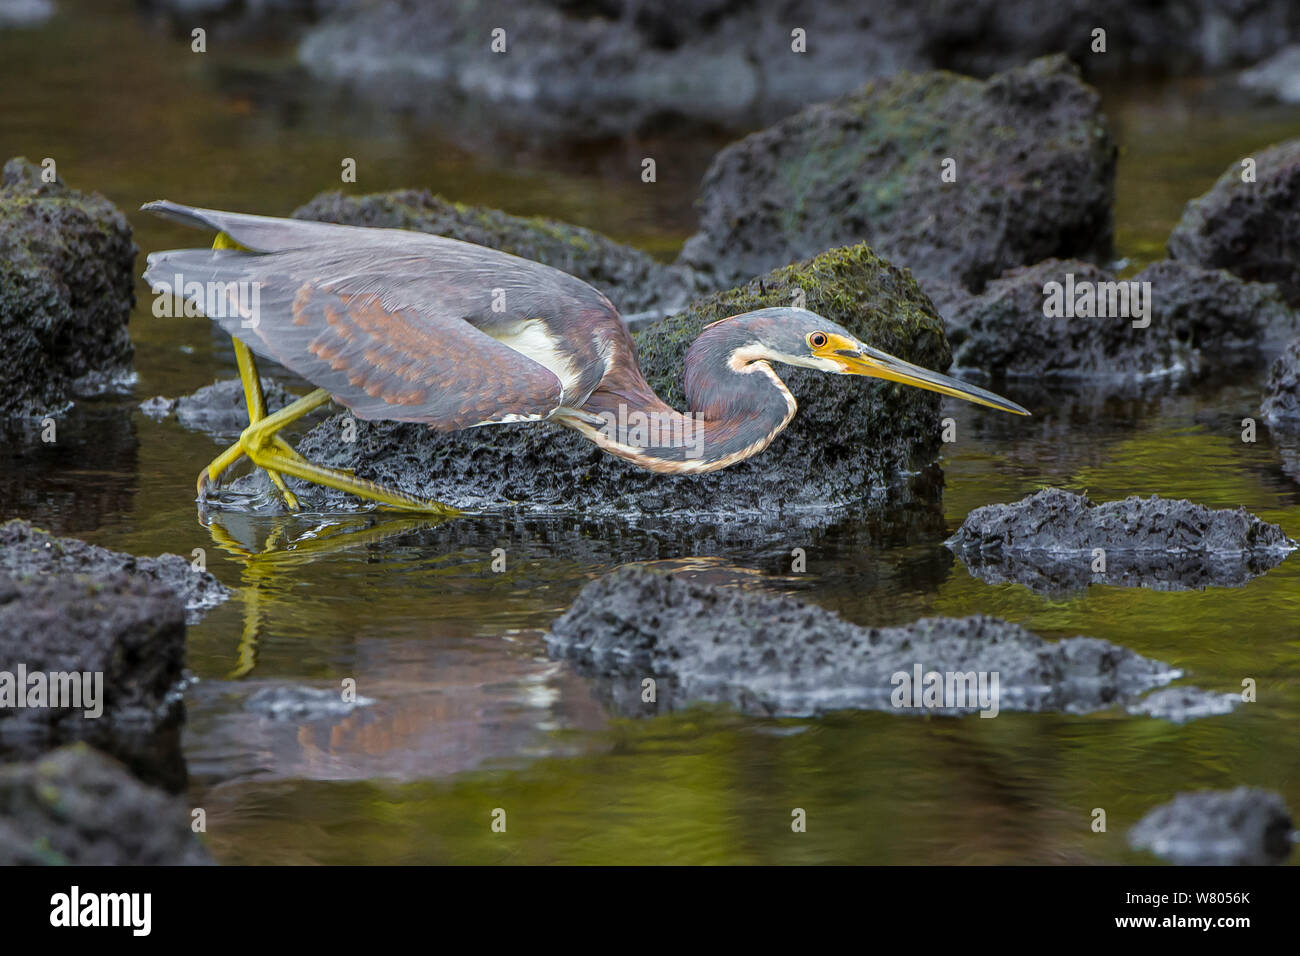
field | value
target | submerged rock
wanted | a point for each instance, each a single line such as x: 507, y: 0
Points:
x: 849, y: 441
x: 300, y: 702
x: 1241, y: 827
x: 66, y: 291
x: 27, y: 551
x: 633, y: 281
x: 1181, y: 704
x: 1035, y: 170
x: 218, y: 409
x: 77, y: 806
x: 1251, y: 229
x: 772, y: 655
x: 1056, y: 540
x: 127, y: 634
x: 1187, y: 317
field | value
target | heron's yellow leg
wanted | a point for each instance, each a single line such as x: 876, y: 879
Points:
x: 255, y: 401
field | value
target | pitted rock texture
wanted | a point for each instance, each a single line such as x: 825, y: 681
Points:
x: 772, y: 655
x: 1034, y: 161
x: 67, y: 285
x: 26, y: 550
x: 1056, y: 540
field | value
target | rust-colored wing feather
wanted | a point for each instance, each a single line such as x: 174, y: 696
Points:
x: 394, y: 324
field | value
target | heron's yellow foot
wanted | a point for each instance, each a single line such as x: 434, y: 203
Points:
x: 270, y: 457
x: 269, y: 451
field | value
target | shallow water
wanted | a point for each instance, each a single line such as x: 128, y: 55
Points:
x: 469, y: 713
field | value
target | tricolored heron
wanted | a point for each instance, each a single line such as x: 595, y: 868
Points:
x: 412, y: 327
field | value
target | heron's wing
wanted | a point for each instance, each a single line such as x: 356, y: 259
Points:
x: 394, y: 324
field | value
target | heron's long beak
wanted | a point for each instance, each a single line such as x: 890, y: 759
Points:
x: 868, y: 361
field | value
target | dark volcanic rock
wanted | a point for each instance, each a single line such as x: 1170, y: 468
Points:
x: 1251, y: 229
x: 772, y: 655
x: 66, y: 291
x: 1035, y: 168
x: 130, y: 631
x: 848, y: 442
x: 1242, y: 827
x: 1196, y: 317
x: 591, y: 67
x: 77, y: 806
x: 633, y: 281
x: 26, y: 551
x: 1171, y: 35
x: 1049, y: 541
x: 218, y: 409
x: 1281, y: 408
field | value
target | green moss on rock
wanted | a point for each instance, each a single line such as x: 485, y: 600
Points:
x: 1034, y: 168
x: 66, y: 291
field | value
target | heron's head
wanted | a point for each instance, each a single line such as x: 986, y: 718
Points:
x: 805, y: 339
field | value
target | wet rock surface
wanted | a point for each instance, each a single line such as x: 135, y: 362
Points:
x: 1281, y: 407
x: 847, y: 443
x: 1241, y: 827
x: 1181, y: 704
x: 127, y: 634
x: 78, y: 806
x: 218, y: 409
x: 1035, y: 169
x: 301, y: 702
x: 632, y: 280
x: 27, y: 551
x: 1049, y: 542
x: 66, y: 291
x: 771, y: 655
x: 1190, y: 318
x: 1251, y: 229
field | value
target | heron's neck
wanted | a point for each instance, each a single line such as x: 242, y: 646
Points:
x: 736, y: 406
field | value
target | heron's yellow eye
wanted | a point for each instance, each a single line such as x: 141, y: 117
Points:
x: 817, y: 340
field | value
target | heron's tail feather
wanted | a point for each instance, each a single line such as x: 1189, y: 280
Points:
x: 257, y: 233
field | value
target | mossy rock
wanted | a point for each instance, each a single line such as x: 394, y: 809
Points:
x: 1034, y: 167
x: 66, y: 291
